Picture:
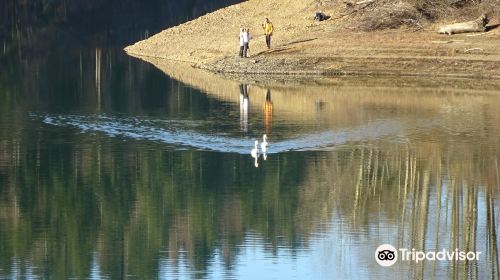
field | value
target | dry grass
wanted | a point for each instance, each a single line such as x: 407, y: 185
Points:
x: 389, y: 14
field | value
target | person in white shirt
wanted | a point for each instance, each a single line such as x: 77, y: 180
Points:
x: 241, y: 41
x: 246, y: 41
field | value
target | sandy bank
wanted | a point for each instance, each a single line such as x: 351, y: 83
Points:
x: 305, y: 47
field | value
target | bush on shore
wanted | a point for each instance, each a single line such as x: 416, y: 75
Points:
x: 387, y: 14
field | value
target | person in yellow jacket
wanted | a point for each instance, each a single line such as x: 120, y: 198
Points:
x: 268, y: 31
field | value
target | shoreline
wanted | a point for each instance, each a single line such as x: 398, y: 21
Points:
x: 228, y: 83
x: 303, y: 47
x: 275, y: 71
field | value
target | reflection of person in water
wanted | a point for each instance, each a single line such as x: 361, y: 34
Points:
x: 244, y: 107
x: 268, y: 111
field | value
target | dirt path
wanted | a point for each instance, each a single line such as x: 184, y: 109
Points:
x: 303, y: 46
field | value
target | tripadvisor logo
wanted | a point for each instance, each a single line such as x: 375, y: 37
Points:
x: 387, y: 255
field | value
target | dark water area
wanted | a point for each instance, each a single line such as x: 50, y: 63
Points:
x: 43, y: 24
x: 111, y: 169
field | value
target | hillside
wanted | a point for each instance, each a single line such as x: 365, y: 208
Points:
x: 357, y: 39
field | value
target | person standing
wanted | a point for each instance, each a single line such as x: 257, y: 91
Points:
x: 246, y: 41
x: 268, y: 31
x: 241, y: 41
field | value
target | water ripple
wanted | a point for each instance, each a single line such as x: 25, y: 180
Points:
x: 181, y: 135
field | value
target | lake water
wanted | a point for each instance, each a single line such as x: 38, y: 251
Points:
x: 113, y: 168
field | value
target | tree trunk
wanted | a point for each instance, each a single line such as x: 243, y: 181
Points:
x: 478, y: 25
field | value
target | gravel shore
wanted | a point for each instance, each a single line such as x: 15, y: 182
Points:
x: 302, y: 46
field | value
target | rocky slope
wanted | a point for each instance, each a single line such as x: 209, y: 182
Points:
x: 304, y: 46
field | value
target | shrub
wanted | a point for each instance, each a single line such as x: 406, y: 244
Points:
x: 387, y: 14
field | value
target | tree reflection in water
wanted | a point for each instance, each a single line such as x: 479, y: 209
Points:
x: 129, y: 206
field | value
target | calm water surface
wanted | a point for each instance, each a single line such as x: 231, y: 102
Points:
x: 109, y: 168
